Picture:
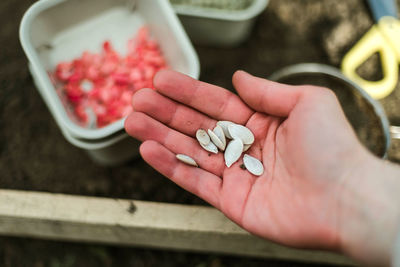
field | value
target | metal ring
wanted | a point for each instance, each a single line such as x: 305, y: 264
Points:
x: 316, y: 68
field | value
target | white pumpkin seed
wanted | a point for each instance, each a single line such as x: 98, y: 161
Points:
x: 210, y: 147
x: 240, y: 132
x: 220, y: 133
x: 253, y: 165
x: 246, y: 147
x: 233, y: 152
x: 216, y: 140
x: 224, y: 125
x: 186, y: 159
x: 202, y: 137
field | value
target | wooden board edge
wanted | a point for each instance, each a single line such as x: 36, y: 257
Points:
x: 138, y: 223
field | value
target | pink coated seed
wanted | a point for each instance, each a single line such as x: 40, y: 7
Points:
x: 105, y: 82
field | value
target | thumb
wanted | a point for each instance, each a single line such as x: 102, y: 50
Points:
x: 266, y: 96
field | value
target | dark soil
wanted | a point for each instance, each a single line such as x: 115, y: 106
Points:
x: 35, y: 156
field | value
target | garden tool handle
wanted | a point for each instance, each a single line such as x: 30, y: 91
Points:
x: 385, y: 39
x: 381, y: 8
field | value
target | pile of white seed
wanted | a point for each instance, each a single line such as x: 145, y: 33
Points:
x: 241, y: 139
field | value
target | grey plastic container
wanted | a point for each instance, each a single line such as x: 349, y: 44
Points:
x: 217, y: 27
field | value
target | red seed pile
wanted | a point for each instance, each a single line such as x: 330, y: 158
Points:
x: 99, y: 86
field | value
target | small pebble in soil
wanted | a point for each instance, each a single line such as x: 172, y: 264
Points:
x: 132, y: 208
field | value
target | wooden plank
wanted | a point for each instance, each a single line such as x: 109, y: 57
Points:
x: 150, y: 224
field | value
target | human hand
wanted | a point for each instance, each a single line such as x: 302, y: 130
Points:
x: 301, y: 136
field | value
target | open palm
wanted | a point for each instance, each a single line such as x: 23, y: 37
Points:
x: 301, y: 136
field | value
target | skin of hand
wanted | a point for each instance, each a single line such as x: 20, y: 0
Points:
x: 306, y: 195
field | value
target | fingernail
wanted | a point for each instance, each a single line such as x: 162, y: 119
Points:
x: 245, y: 73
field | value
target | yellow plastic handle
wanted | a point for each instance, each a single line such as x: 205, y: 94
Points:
x: 375, y: 40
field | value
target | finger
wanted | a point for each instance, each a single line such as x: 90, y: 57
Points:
x: 214, y: 101
x: 143, y: 127
x: 167, y: 111
x: 196, y: 180
x: 266, y: 96
x: 235, y: 189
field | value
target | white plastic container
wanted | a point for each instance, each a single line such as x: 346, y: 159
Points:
x: 52, y: 31
x: 217, y: 27
x: 108, y: 151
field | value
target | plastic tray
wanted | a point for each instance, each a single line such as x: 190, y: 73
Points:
x: 109, y: 151
x: 57, y: 30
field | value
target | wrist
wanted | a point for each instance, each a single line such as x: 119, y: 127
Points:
x: 369, y: 210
